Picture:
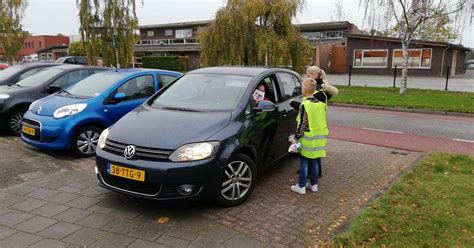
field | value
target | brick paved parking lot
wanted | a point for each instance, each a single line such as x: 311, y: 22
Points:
x: 54, y: 201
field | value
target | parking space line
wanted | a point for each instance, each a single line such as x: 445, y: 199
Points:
x: 382, y: 130
x: 462, y: 140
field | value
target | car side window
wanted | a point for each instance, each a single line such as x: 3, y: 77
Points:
x: 139, y: 87
x: 270, y: 91
x: 69, y: 61
x: 29, y: 73
x: 166, y: 79
x: 290, y: 86
x: 70, y: 78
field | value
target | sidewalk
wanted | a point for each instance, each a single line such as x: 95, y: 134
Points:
x: 464, y: 83
x: 68, y: 208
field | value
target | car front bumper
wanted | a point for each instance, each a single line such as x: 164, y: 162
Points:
x: 162, y: 178
x: 53, y: 134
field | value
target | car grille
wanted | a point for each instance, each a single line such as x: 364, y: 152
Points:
x: 140, y: 152
x: 33, y: 124
x: 149, y: 189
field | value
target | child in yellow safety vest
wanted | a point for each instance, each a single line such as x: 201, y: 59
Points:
x: 312, y: 135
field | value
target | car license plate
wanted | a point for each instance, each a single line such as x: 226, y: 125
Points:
x: 28, y: 130
x: 120, y: 171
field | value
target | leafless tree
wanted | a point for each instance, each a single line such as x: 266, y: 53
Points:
x: 338, y: 13
x: 409, y: 15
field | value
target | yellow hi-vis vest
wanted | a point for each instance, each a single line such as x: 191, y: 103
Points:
x: 304, y: 99
x: 313, y: 143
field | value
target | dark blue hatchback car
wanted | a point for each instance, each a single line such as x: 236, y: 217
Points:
x: 203, y: 136
x: 74, y: 118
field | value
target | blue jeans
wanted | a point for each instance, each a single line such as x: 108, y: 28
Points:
x: 312, y: 163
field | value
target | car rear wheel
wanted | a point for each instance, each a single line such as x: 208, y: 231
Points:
x: 85, y: 141
x: 238, y: 181
x: 14, y: 121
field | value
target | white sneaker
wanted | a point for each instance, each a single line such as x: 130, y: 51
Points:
x: 313, y: 188
x: 296, y: 188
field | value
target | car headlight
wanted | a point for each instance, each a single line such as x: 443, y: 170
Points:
x: 196, y: 151
x: 102, y: 138
x: 69, y: 110
x: 4, y: 96
x: 32, y: 105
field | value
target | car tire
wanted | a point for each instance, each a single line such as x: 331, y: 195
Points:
x: 84, y: 142
x: 14, y: 121
x: 238, y: 181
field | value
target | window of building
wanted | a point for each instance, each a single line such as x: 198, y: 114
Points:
x: 417, y: 58
x: 40, y: 45
x: 169, y: 32
x: 150, y: 33
x: 370, y: 58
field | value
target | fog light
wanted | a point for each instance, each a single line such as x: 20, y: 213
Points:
x: 185, y: 189
x: 96, y: 170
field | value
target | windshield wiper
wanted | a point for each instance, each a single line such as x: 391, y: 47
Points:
x: 67, y: 93
x: 181, y: 109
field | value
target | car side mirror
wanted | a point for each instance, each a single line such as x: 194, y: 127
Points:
x: 119, y: 96
x: 264, y: 106
x: 53, y: 89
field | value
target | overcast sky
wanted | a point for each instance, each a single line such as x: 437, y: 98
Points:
x: 61, y: 16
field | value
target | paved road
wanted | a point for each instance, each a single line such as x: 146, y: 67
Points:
x: 458, y: 83
x: 402, y: 130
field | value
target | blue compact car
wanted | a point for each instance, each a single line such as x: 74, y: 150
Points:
x: 74, y: 118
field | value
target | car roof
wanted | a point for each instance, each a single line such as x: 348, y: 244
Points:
x: 66, y: 67
x: 240, y: 70
x: 37, y: 64
x: 138, y: 70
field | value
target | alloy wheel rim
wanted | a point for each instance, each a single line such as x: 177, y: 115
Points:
x: 237, y: 180
x: 15, y: 122
x: 87, y: 142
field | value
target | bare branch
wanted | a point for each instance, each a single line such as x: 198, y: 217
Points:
x: 407, y: 22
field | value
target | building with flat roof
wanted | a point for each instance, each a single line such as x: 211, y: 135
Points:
x: 35, y: 42
x: 367, y: 54
x: 180, y: 39
x: 338, y: 47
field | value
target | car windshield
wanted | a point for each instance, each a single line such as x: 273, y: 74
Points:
x: 4, y: 74
x: 39, y: 78
x: 204, y: 92
x: 95, y: 84
x: 61, y: 60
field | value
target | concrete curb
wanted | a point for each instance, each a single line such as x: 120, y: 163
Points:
x: 421, y: 111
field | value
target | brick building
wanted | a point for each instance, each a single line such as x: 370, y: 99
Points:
x: 367, y: 54
x: 180, y: 39
x: 34, y: 43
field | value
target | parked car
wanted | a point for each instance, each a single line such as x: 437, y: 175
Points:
x: 16, y: 73
x: 74, y: 118
x: 3, y: 66
x: 75, y: 60
x: 203, y: 136
x: 16, y: 98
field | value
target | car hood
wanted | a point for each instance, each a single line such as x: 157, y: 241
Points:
x: 12, y: 89
x: 46, y: 106
x: 167, y: 129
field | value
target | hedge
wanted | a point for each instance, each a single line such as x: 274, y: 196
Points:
x: 173, y: 63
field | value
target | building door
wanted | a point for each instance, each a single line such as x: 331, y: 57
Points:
x: 453, y: 66
x: 338, y: 59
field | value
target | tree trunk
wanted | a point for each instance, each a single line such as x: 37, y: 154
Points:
x: 403, y: 83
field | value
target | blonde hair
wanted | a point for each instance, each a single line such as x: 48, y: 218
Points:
x: 309, y: 86
x: 316, y: 70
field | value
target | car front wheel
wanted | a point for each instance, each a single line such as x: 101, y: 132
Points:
x: 14, y: 121
x: 85, y: 141
x: 238, y: 182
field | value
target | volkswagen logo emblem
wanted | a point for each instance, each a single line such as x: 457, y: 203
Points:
x: 129, y: 151
x: 39, y: 110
